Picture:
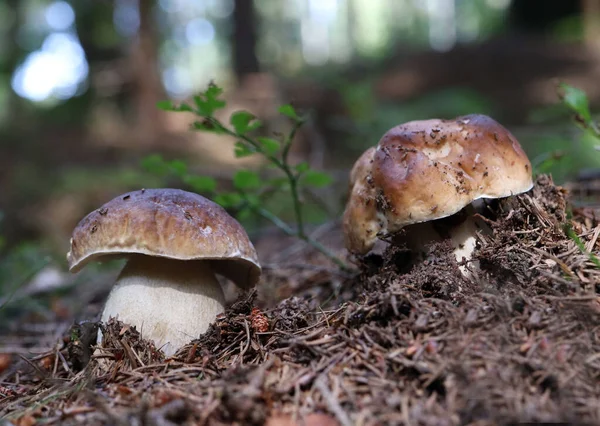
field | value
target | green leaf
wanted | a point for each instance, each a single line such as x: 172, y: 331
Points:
x: 155, y: 164
x: 214, y: 104
x: 184, y: 108
x: 178, y: 167
x: 209, y: 102
x: 244, y: 122
x: 290, y: 112
x: 201, y: 183
x: 243, y: 150
x: 577, y: 100
x: 246, y: 179
x: 213, y: 91
x: 166, y: 105
x: 316, y: 178
x: 170, y: 106
x: 302, y: 167
x: 228, y: 199
x: 270, y: 146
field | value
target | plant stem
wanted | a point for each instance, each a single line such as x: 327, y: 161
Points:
x: 571, y: 234
x: 274, y: 219
x: 293, y: 178
x: 297, y: 204
x: 289, y: 231
x: 328, y: 253
x: 284, y: 166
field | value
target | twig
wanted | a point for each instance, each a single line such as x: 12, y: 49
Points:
x: 332, y: 402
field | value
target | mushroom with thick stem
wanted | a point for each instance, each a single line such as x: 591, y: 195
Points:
x: 424, y: 171
x: 174, y: 241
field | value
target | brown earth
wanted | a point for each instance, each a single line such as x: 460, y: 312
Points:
x: 401, y: 342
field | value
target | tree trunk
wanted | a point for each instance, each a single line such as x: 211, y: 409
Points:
x: 244, y: 39
x: 591, y: 22
x: 148, y: 88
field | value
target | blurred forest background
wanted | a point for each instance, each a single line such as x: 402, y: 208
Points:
x: 79, y: 81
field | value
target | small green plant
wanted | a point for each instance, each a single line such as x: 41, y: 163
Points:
x: 573, y: 236
x: 563, y: 156
x: 17, y: 268
x: 577, y: 101
x: 249, y: 187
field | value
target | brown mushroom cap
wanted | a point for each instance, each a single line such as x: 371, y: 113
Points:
x: 168, y: 223
x: 430, y: 169
x: 360, y: 218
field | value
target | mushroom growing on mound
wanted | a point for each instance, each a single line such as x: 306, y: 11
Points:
x: 422, y: 171
x: 174, y: 241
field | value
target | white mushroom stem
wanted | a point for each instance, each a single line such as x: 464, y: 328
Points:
x: 464, y: 241
x: 462, y: 236
x: 170, y: 302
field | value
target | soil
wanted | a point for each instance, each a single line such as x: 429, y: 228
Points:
x: 400, y: 342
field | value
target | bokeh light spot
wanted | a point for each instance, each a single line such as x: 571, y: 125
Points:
x: 60, y: 16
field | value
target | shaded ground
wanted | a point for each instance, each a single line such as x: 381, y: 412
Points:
x: 396, y: 344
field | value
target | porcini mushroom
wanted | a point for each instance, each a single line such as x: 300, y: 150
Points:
x: 174, y: 241
x: 421, y: 171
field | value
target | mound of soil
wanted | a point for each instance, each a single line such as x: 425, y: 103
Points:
x: 399, y: 343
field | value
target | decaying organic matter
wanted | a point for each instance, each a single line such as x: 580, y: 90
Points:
x: 397, y: 344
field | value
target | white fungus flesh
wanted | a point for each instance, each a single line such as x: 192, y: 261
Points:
x: 170, y: 302
x: 463, y: 237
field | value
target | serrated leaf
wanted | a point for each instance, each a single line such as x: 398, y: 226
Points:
x: 577, y: 100
x: 209, y: 102
x: 201, y: 183
x: 269, y: 145
x: 316, y: 178
x: 244, y: 122
x: 228, y: 199
x: 178, y: 167
x: 166, y: 105
x: 213, y: 91
x: 302, y: 167
x: 242, y: 150
x: 246, y: 179
x: 155, y: 164
x: 214, y: 104
x: 289, y: 111
x: 200, y: 103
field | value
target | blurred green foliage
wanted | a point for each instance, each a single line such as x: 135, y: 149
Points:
x: 564, y: 150
x: 250, y: 189
x: 17, y: 267
x: 368, y: 118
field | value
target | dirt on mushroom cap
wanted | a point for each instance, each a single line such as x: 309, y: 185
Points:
x: 396, y: 344
x: 430, y: 169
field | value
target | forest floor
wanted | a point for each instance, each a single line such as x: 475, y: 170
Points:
x: 401, y: 342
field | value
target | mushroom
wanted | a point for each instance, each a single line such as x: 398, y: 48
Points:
x: 174, y: 241
x: 426, y: 170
